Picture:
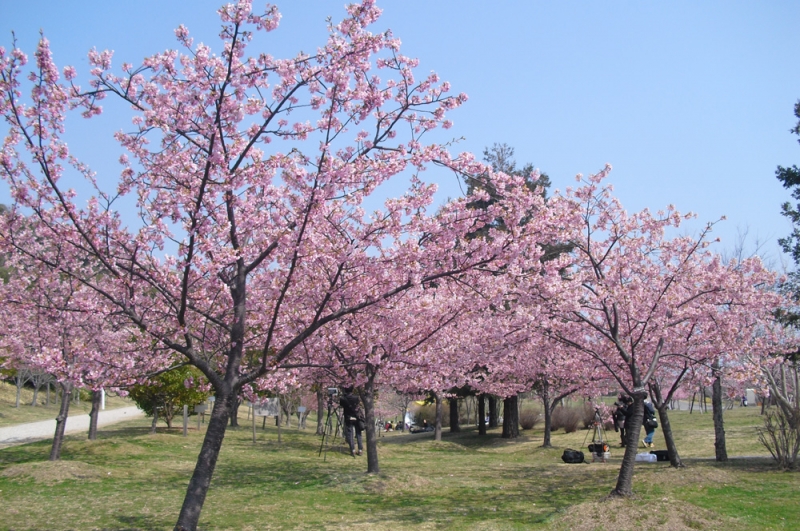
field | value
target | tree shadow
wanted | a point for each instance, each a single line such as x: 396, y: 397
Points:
x: 467, y: 438
x: 739, y: 463
x: 140, y: 523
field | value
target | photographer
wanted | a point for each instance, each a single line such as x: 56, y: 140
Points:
x: 353, y: 419
x: 621, y: 414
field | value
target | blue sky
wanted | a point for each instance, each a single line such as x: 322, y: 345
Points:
x: 691, y: 102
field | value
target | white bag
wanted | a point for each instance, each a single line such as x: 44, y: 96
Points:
x: 646, y: 457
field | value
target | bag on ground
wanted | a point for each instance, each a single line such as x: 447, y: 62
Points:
x: 661, y: 455
x: 572, y: 456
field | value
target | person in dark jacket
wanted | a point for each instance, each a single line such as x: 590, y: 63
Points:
x: 353, y: 419
x: 621, y: 414
x: 649, y: 423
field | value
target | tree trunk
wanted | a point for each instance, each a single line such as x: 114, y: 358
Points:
x: 47, y: 399
x: 320, y: 409
x: 94, y: 414
x: 368, y: 398
x: 492, y: 411
x: 720, y: 451
x: 20, y: 381
x: 633, y: 425
x: 61, y: 421
x: 405, y: 412
x: 285, y: 404
x: 278, y: 420
x: 35, y: 395
x: 548, y: 424
x: 666, y: 427
x: 206, y: 462
x: 669, y: 439
x: 437, y: 432
x: 548, y: 415
x: 155, y: 421
x: 235, y: 413
x: 510, y: 417
x: 455, y: 427
x: 481, y: 414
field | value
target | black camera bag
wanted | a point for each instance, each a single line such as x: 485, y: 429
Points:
x: 572, y: 456
x: 661, y: 455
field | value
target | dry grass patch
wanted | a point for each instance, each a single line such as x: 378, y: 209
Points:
x: 634, y: 515
x: 53, y: 472
x: 694, y: 474
x: 396, y: 485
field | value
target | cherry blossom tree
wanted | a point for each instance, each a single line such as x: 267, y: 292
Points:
x: 243, y: 250
x: 52, y: 328
x: 404, y: 343
x: 643, y: 297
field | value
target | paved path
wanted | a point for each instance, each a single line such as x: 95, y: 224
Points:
x: 35, y: 431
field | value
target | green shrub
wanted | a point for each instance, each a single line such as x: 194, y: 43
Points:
x: 167, y: 393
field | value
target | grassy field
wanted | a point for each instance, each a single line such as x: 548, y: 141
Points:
x: 131, y: 480
x: 10, y: 415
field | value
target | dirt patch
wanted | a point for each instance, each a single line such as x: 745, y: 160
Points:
x: 694, y: 475
x: 113, y: 447
x: 52, y: 472
x: 396, y: 485
x: 631, y: 514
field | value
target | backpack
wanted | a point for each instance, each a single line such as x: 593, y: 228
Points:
x: 661, y: 455
x: 572, y: 456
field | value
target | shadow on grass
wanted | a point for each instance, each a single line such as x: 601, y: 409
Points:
x: 466, y: 437
x: 25, y: 453
x: 140, y: 523
x: 522, y: 493
x: 744, y: 464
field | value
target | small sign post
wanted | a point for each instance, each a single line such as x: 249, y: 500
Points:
x: 268, y: 408
x: 201, y: 411
x: 253, y: 411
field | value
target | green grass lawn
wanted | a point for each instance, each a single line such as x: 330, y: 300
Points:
x: 129, y: 479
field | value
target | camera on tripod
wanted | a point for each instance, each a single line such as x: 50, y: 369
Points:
x: 333, y: 416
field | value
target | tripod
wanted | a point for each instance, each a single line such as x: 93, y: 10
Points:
x: 599, y: 447
x: 328, y: 430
